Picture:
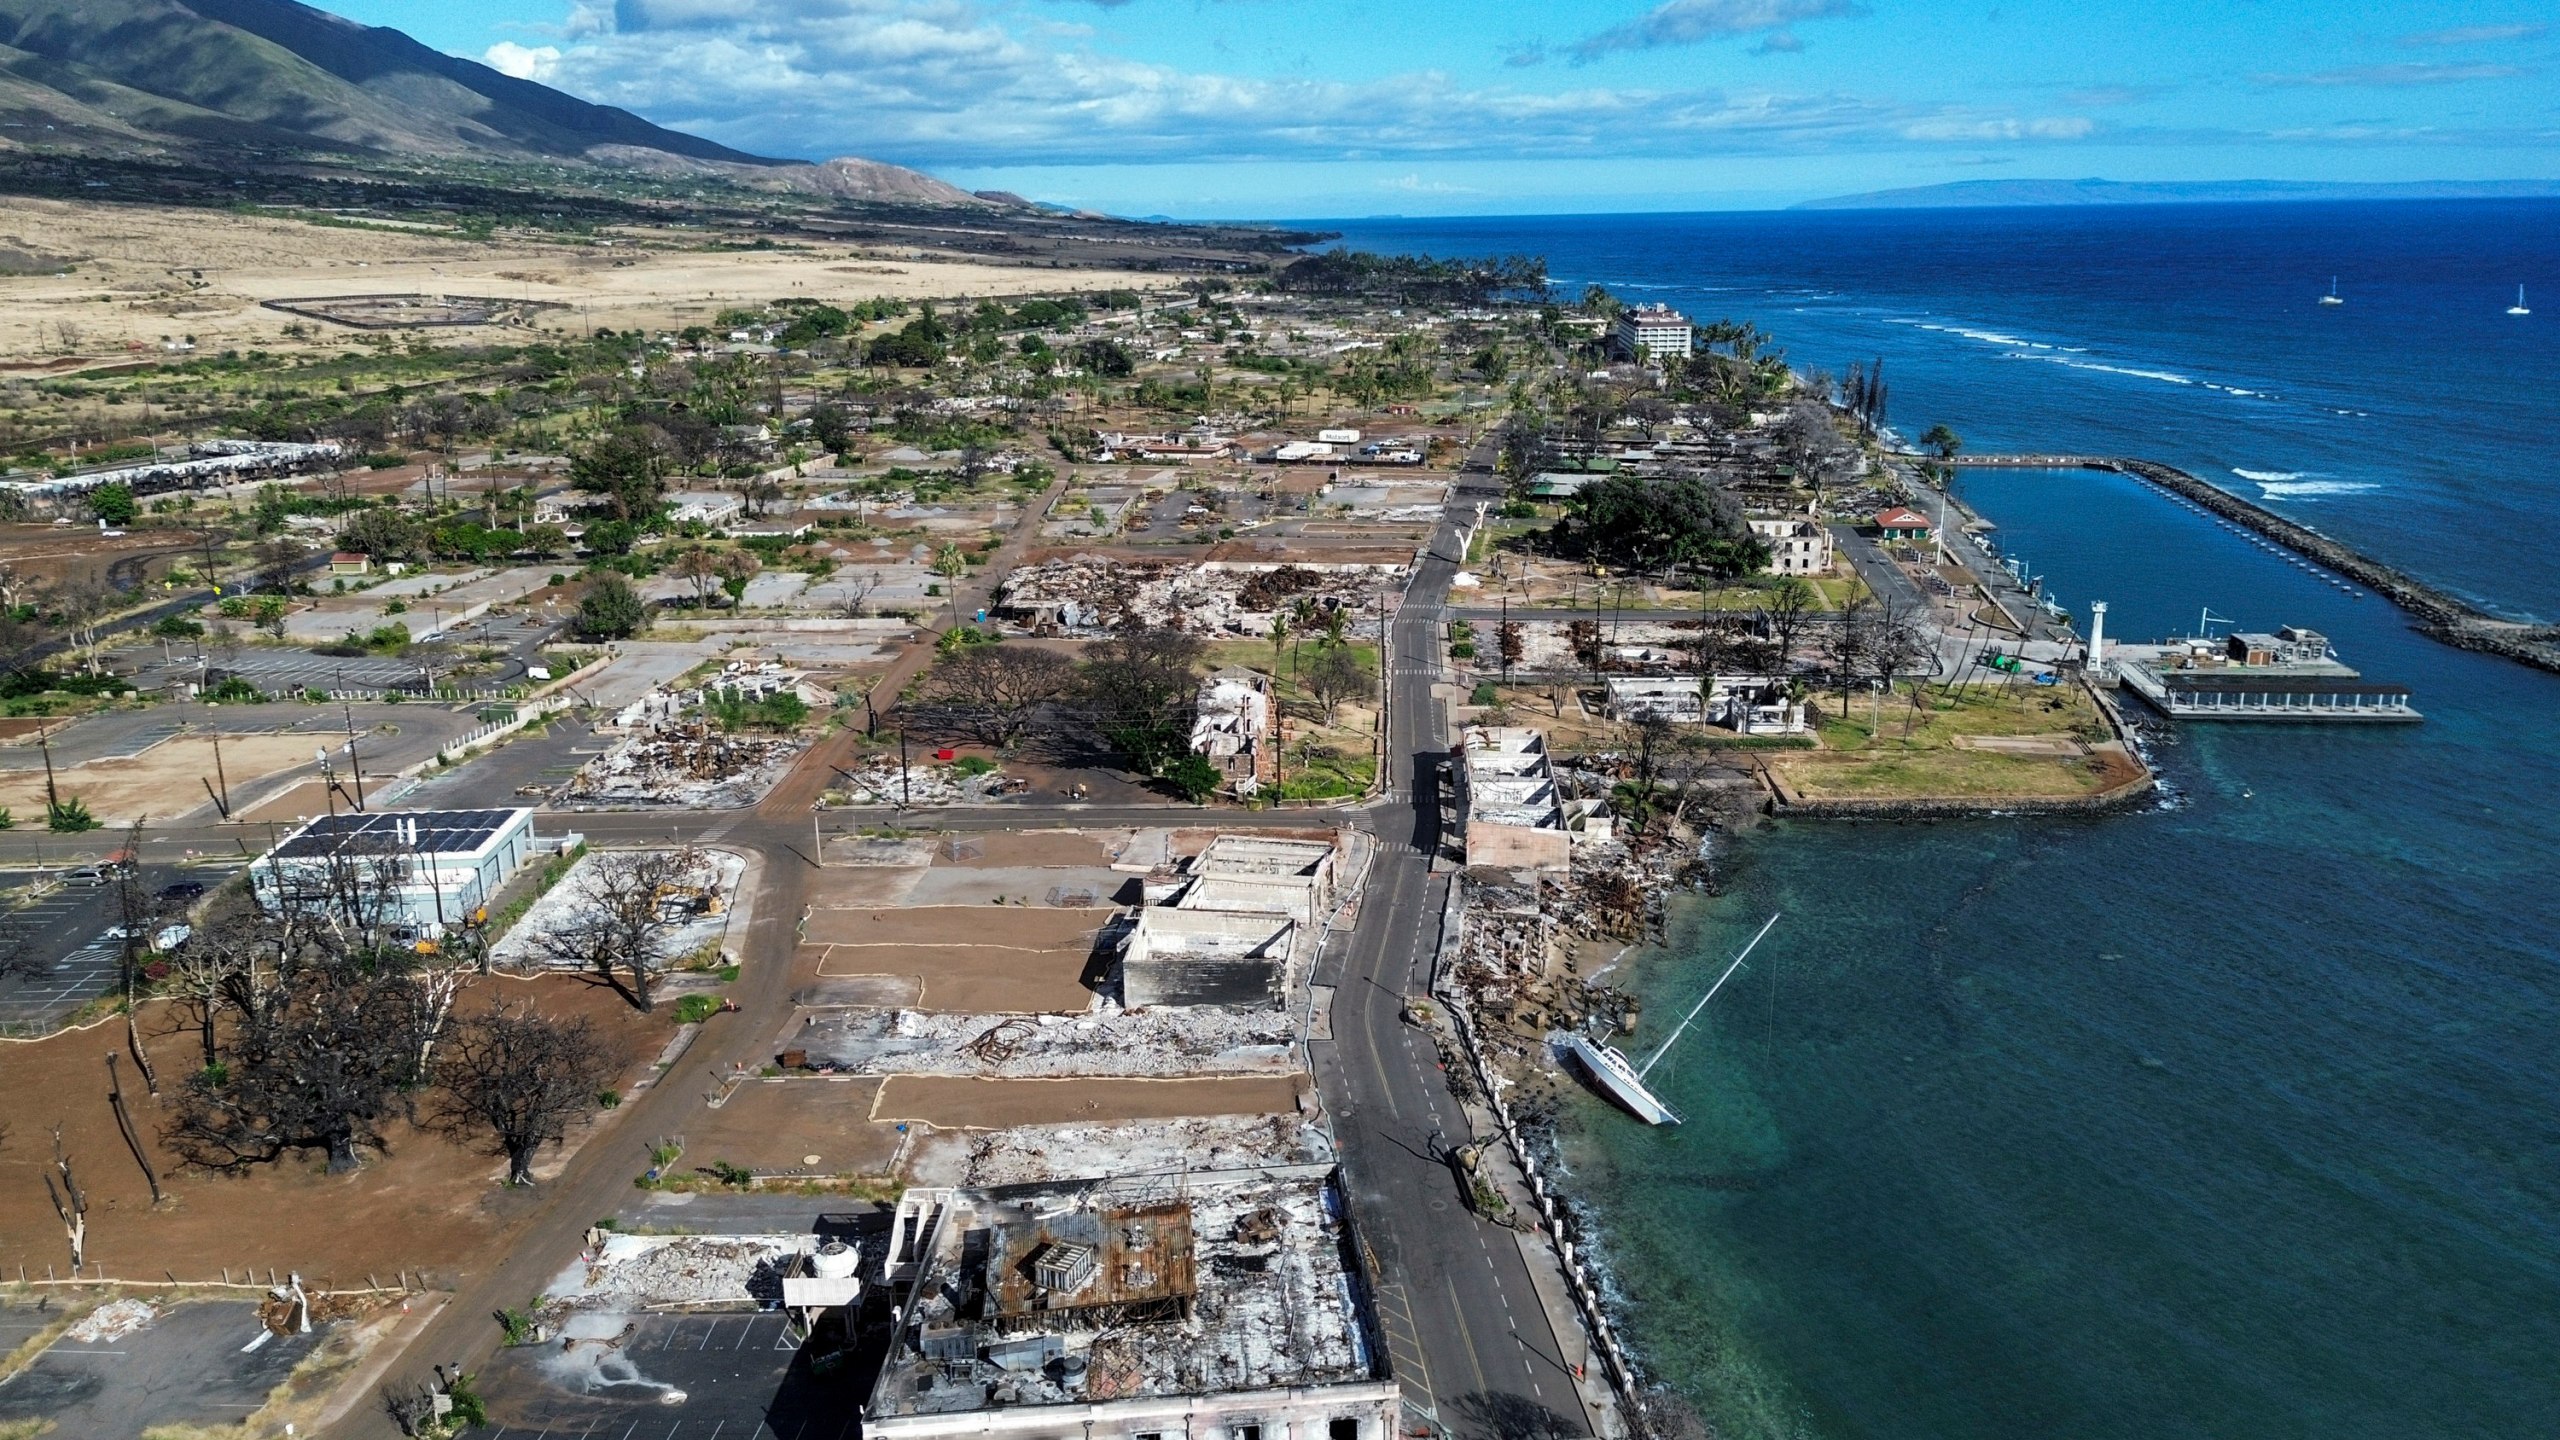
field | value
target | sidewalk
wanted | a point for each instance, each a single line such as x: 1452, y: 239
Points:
x: 1546, y: 1270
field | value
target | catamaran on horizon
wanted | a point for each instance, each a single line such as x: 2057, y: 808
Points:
x: 1621, y: 1079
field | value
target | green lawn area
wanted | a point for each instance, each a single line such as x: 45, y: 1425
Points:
x: 1315, y: 769
x: 1855, y: 762
x: 1971, y: 710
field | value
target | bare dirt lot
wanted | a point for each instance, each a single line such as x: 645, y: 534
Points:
x: 1005, y: 926
x: 160, y: 782
x: 148, y: 274
x: 72, y: 554
x: 429, y: 1204
x: 956, y: 1102
x: 972, y: 979
x: 1009, y: 848
x: 772, y: 1127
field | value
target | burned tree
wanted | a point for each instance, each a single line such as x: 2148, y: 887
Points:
x: 619, y: 920
x: 1336, y: 675
x: 70, y: 1202
x: 329, y: 1056
x: 994, y: 692
x: 514, y: 1079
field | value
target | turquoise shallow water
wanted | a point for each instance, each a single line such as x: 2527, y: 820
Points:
x: 2239, y: 1117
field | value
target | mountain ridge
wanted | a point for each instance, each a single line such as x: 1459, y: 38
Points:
x: 280, y: 76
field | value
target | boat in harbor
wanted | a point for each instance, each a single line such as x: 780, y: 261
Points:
x: 1622, y: 1079
x: 2518, y: 307
x: 2332, y: 298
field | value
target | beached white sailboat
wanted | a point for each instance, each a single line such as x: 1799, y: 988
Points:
x: 2332, y: 298
x: 2518, y: 307
x: 1621, y: 1079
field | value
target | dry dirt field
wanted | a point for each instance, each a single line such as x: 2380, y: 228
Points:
x: 775, y: 1126
x: 161, y: 782
x: 56, y: 554
x: 146, y: 273
x: 961, y: 1102
x: 994, y: 958
x: 973, y: 979
x: 1012, y: 927
x: 429, y: 1204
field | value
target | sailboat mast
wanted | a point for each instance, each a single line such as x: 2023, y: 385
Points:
x: 1676, y: 1031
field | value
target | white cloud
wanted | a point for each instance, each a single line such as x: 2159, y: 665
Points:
x: 2058, y: 127
x: 523, y: 62
x: 2474, y: 35
x: 1687, y: 22
x: 2395, y: 76
x: 948, y: 84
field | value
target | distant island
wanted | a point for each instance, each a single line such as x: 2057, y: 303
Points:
x: 1983, y: 194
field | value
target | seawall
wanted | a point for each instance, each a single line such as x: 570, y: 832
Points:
x: 2445, y: 617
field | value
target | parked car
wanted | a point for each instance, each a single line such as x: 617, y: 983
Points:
x: 85, y: 875
x: 184, y: 892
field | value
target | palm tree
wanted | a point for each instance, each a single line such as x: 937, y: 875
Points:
x: 950, y: 564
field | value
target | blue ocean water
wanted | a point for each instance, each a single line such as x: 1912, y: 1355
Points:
x: 2238, y: 1117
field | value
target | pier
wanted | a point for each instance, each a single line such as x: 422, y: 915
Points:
x: 2445, y: 617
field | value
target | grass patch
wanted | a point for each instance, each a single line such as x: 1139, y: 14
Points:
x: 25, y: 1429
x: 694, y: 1009
x: 1906, y: 750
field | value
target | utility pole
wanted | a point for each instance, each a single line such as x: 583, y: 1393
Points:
x: 353, y: 767
x: 52, y: 800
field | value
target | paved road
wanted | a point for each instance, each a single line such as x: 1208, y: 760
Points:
x: 597, y: 1180
x: 1471, y: 1342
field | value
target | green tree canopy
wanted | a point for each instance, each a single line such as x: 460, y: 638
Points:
x: 611, y: 609
x: 628, y: 470
x: 113, y: 504
x: 1664, y: 522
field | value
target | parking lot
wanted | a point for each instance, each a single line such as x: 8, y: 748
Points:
x: 674, y: 1377
x: 293, y: 669
x: 65, y: 932
x: 184, y: 1368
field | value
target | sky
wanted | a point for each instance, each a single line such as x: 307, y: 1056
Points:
x: 1335, y: 108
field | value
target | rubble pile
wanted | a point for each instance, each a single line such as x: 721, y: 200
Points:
x: 629, y: 1271
x: 1144, y: 1147
x: 690, y: 763
x: 747, y: 679
x: 882, y: 782
x: 1198, y: 1040
x: 1092, y: 595
x: 1513, y: 976
x: 112, y: 1321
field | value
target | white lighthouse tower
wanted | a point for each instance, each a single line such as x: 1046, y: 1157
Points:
x: 2097, y: 636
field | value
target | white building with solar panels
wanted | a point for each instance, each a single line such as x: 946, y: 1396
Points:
x: 416, y: 872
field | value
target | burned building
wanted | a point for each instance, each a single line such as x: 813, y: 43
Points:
x: 1238, y: 929
x: 1232, y: 1305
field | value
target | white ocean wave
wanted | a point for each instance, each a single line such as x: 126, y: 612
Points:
x: 2312, y: 489
x: 2170, y: 377
x: 2264, y: 476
